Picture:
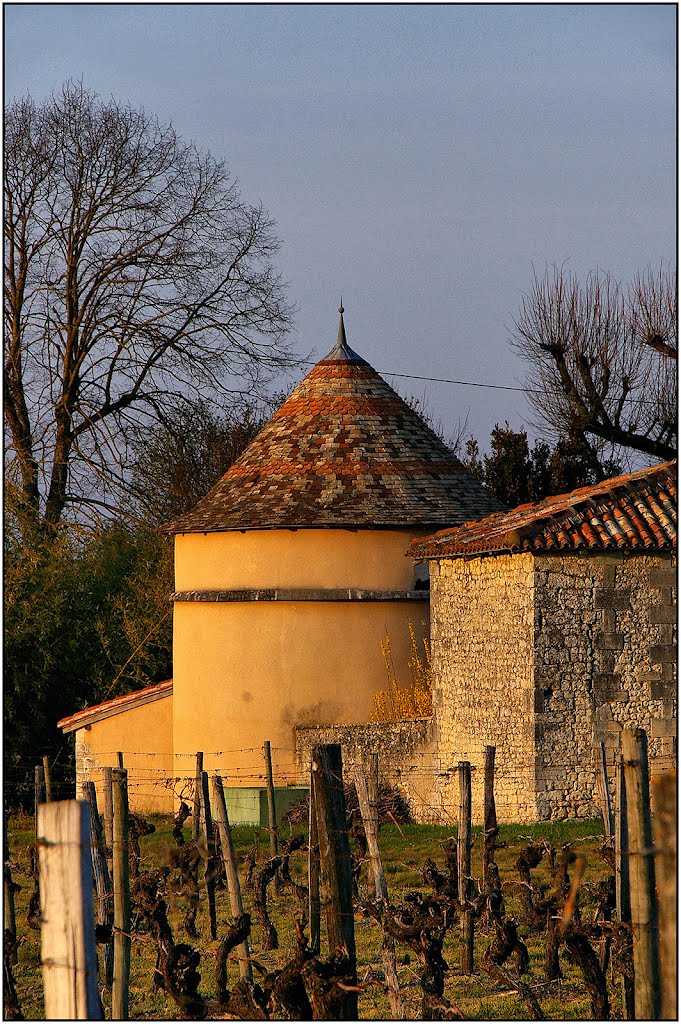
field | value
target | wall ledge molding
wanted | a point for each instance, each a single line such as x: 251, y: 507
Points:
x: 289, y: 594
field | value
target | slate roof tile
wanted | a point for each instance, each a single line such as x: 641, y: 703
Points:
x: 343, y: 450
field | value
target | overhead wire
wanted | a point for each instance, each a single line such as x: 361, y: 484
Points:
x: 485, y: 384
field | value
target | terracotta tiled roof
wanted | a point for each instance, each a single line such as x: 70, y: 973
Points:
x: 636, y: 512
x: 114, y: 707
x: 343, y: 450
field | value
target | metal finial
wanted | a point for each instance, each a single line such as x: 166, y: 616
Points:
x: 341, y: 352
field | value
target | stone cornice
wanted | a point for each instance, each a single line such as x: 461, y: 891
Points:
x: 289, y: 594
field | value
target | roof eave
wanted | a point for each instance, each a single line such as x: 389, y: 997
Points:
x: 89, y: 716
x: 545, y: 551
x: 402, y: 527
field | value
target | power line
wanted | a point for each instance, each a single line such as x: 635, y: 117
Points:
x: 446, y: 380
x: 463, y: 383
x: 481, y: 384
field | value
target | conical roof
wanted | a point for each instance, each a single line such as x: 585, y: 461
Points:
x: 344, y: 450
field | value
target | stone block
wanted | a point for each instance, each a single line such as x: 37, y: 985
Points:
x: 663, y: 654
x: 605, y: 661
x: 609, y: 642
x: 607, y: 732
x: 666, y: 671
x: 663, y: 727
x: 662, y: 578
x: 613, y: 599
x: 608, y: 686
x: 603, y: 714
x: 662, y: 689
x: 665, y: 634
x: 662, y: 614
x: 668, y: 746
x: 609, y: 573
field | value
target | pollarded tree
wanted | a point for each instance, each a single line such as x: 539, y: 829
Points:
x: 135, y: 277
x: 603, y: 358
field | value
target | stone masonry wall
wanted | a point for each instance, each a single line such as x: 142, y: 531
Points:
x: 482, y: 617
x: 605, y: 657
x: 406, y: 756
x: 544, y: 657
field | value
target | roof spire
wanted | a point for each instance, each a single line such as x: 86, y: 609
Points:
x: 340, y: 340
x: 341, y: 352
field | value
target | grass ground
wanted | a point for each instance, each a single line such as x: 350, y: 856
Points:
x: 403, y: 852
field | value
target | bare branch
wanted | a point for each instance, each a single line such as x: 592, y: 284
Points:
x: 135, y: 274
x: 601, y: 360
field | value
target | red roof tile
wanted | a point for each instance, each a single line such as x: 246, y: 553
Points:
x: 115, y: 706
x: 344, y: 450
x: 636, y: 512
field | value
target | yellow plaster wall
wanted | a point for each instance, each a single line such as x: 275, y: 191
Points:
x: 249, y: 672
x: 145, y: 736
x: 366, y: 559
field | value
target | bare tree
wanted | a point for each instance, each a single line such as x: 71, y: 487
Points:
x: 602, y: 358
x: 135, y: 277
x: 177, y: 461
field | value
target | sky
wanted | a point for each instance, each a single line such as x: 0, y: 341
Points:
x: 420, y: 160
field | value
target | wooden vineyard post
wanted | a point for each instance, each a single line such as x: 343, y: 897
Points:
x: 121, y: 887
x: 9, y: 914
x: 664, y: 807
x: 490, y: 814
x: 100, y: 871
x: 377, y: 873
x: 373, y: 787
x: 108, y: 818
x: 464, y: 867
x: 67, y: 933
x: 334, y: 855
x: 119, y: 759
x: 48, y: 780
x: 271, y: 809
x: 235, y: 901
x: 604, y: 793
x: 397, y: 1011
x: 211, y: 860
x: 623, y: 908
x: 314, y: 902
x: 38, y: 790
x: 196, y: 814
x: 641, y: 876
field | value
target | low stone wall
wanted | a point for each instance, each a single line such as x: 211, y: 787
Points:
x: 406, y: 756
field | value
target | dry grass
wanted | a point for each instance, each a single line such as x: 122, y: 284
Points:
x: 414, y: 701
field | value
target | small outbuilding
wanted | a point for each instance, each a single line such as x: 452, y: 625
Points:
x: 552, y: 627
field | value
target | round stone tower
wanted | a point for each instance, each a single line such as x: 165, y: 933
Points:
x: 292, y: 570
